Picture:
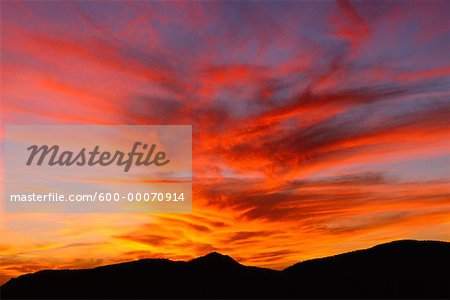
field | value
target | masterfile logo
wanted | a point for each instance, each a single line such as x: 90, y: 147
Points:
x: 107, y: 168
x: 95, y: 157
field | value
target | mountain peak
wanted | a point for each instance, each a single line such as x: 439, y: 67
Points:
x: 215, y: 258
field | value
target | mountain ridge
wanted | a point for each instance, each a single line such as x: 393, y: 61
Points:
x: 398, y: 269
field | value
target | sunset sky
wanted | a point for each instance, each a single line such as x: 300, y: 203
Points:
x: 318, y: 127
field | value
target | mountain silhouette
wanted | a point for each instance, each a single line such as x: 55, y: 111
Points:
x: 215, y: 259
x: 400, y: 269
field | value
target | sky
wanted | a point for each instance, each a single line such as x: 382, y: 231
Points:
x: 319, y: 127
